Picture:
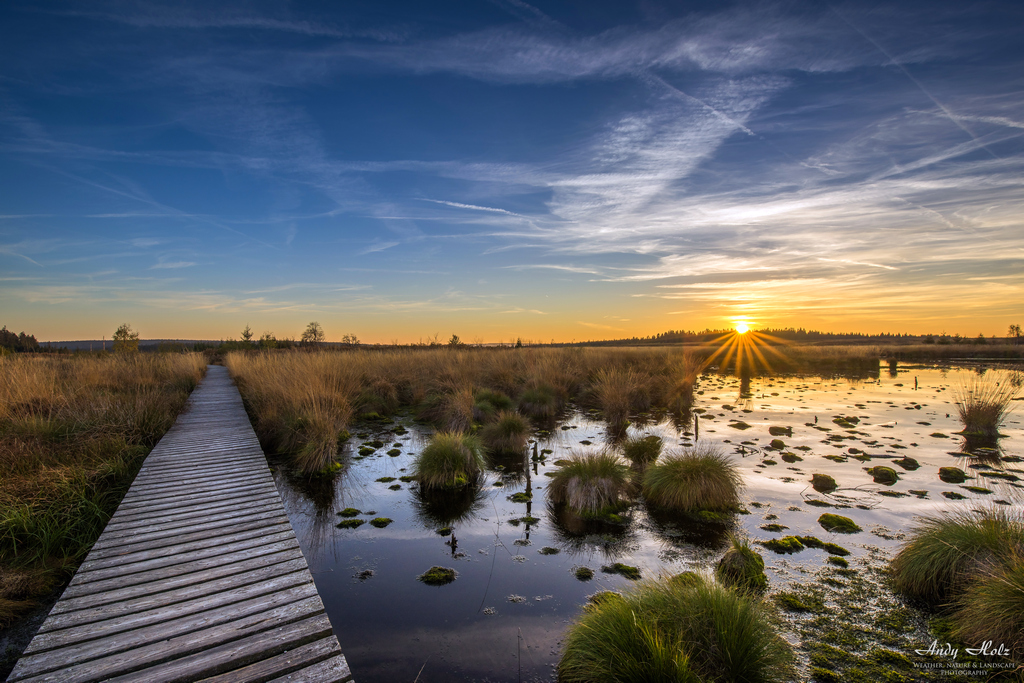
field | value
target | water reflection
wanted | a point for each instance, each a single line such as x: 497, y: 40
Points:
x: 438, y: 508
x: 577, y: 536
x: 688, y: 530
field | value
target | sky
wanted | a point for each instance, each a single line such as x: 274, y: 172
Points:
x: 499, y: 170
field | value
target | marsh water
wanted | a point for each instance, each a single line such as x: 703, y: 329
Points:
x: 503, y: 617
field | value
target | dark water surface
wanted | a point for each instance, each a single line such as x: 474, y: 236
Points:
x: 503, y: 617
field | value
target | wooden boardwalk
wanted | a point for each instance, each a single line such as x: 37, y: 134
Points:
x: 198, y: 576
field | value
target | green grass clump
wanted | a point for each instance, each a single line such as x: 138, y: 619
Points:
x: 823, y: 483
x: 590, y: 483
x: 438, y: 576
x: 945, y: 553
x: 785, y: 545
x: 350, y: 512
x: 351, y: 523
x: 381, y: 522
x: 487, y: 403
x: 742, y: 567
x: 507, y: 434
x: 701, y: 478
x: 952, y: 475
x: 540, y: 402
x: 628, y: 571
x: 671, y: 631
x: 992, y: 607
x: 642, y: 450
x: 838, y: 524
x: 982, y: 403
x: 883, y: 475
x: 449, y: 461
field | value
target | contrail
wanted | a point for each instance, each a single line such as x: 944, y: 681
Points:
x: 916, y: 82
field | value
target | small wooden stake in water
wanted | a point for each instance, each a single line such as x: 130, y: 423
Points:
x: 696, y: 427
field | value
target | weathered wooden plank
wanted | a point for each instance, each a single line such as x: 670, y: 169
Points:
x: 109, y: 571
x: 233, y: 655
x: 125, y: 534
x: 125, y: 521
x: 94, y: 662
x: 333, y: 670
x: 204, y: 535
x: 154, y: 491
x: 282, y: 664
x: 182, y: 587
x: 192, y: 506
x: 225, y: 602
x: 198, y: 497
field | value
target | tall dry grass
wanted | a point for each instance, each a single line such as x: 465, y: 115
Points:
x: 73, y: 433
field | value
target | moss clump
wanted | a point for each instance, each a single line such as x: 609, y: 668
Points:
x: 774, y: 528
x: 795, y: 602
x: 630, y: 572
x: 521, y: 497
x: 444, y: 531
x: 785, y: 545
x: 908, y: 464
x: 674, y: 631
x: 642, y: 450
x: 548, y: 550
x: 350, y: 512
x: 394, y: 452
x: 838, y: 524
x: 583, y: 573
x: 385, y: 480
x: 450, y: 461
x: 742, y: 567
x: 351, y: 523
x: 777, y: 444
x: 823, y: 483
x: 838, y: 561
x: 381, y: 522
x: 953, y: 495
x: 438, y: 576
x: 952, y: 475
x: 818, y: 503
x: 780, y: 431
x: 977, y: 489
x: 883, y: 475
x: 830, y: 548
x: 701, y: 478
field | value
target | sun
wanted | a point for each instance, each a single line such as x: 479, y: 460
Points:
x: 741, y: 328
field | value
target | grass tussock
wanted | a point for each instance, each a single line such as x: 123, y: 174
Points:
x: 642, y: 450
x: 73, y: 433
x: 992, y: 608
x: 450, y: 461
x: 689, y: 631
x: 742, y: 567
x: 507, y: 434
x: 591, y: 483
x: 983, y: 402
x: 699, y: 478
x: 947, y: 552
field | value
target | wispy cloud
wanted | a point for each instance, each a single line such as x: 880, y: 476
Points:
x: 170, y: 265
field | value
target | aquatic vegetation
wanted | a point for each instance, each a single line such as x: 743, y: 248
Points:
x: 620, y: 391
x: 830, y: 548
x: 676, y: 631
x: 630, y: 572
x: 742, y: 567
x: 350, y: 512
x: 438, y: 576
x: 451, y: 460
x: 799, y: 602
x: 982, y: 402
x: 907, y: 463
x: 952, y: 475
x: 487, y: 403
x: 506, y: 434
x: 583, y: 573
x: 838, y: 561
x: 351, y: 523
x: 548, y: 550
x: 590, y: 483
x: 449, y: 407
x: 381, y: 522
x: 948, y: 551
x: 700, y: 478
x: 521, y: 497
x: 642, y: 450
x: 838, y: 524
x: 823, y: 483
x: 774, y: 528
x: 786, y: 545
x: 883, y: 475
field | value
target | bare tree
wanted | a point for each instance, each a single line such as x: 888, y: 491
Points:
x: 313, y: 335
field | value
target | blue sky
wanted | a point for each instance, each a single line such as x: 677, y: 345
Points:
x: 502, y: 169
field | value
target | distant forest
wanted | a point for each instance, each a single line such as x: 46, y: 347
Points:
x: 790, y: 334
x: 17, y: 343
